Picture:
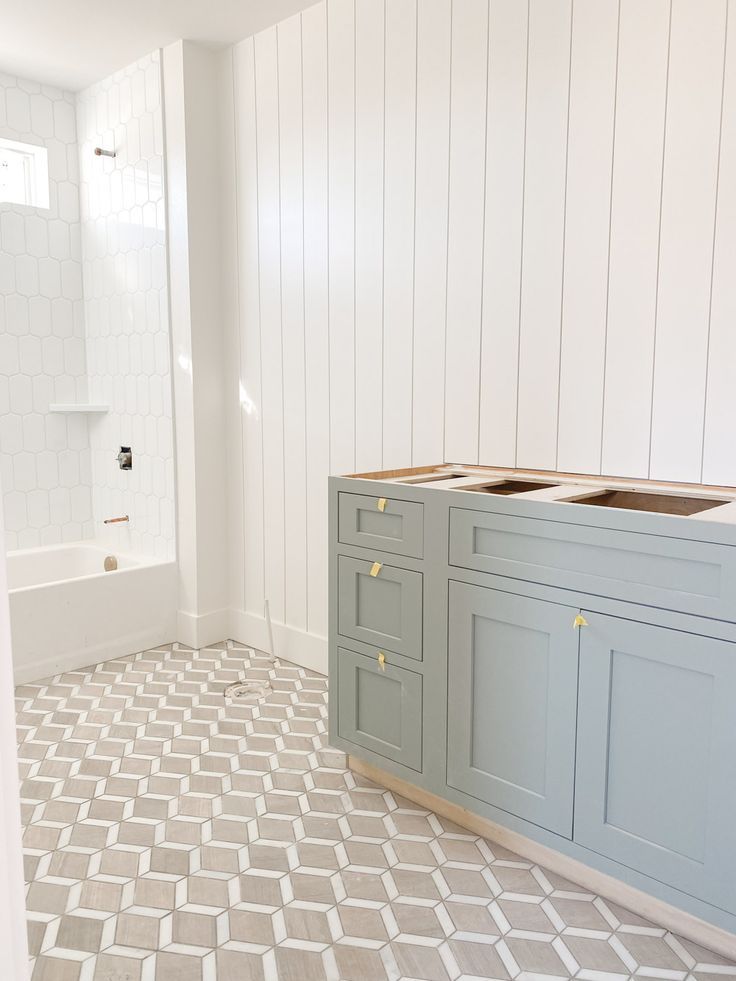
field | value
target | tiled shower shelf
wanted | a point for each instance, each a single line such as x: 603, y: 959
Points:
x: 78, y: 407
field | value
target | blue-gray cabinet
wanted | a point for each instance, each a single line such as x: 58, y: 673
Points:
x: 656, y: 763
x: 512, y: 703
x: 566, y: 671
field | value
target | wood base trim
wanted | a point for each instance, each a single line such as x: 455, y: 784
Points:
x: 663, y: 914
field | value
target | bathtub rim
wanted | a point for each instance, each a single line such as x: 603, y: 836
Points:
x: 138, y: 562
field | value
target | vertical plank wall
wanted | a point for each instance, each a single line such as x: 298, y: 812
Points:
x: 494, y: 231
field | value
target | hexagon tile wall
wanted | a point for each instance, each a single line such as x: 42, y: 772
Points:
x: 45, y: 464
x: 126, y: 305
x: 84, y: 318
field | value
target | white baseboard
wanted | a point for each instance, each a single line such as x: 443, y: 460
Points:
x: 657, y: 910
x: 202, y: 629
x: 306, y: 650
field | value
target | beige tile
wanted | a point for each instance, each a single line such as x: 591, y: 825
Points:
x: 176, y: 966
x: 416, y: 961
x: 249, y: 926
x: 52, y: 966
x: 526, y: 916
x: 651, y: 952
x: 48, y: 896
x: 144, y: 928
x: 259, y: 889
x: 358, y: 964
x: 194, y: 840
x: 158, y: 891
x: 299, y: 965
x: 419, y: 921
x: 207, y: 890
x: 595, y: 955
x: 87, y: 932
x: 239, y: 965
x: 307, y: 924
x: 364, y: 923
x: 478, y: 959
x: 419, y: 885
x: 198, y: 927
x: 536, y: 957
x: 471, y: 918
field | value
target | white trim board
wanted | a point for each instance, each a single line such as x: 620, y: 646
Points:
x: 657, y: 910
x: 290, y: 644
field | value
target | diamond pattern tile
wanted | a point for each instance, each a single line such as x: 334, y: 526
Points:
x: 172, y: 834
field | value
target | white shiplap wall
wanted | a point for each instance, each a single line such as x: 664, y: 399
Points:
x: 478, y: 231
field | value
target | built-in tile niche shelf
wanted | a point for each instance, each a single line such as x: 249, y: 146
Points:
x: 78, y: 407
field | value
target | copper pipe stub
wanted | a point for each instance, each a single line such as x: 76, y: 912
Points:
x: 99, y: 152
x: 114, y: 521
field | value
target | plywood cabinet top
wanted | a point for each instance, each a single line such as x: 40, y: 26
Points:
x: 691, y: 501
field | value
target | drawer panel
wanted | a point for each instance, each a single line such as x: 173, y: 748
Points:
x: 380, y: 708
x: 384, y: 610
x: 398, y: 528
x: 672, y: 573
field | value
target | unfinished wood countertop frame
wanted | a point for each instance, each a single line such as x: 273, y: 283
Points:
x: 566, y: 488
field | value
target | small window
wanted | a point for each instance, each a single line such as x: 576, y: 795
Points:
x: 24, y: 174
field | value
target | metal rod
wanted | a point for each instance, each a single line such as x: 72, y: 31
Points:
x: 99, y: 152
x: 114, y: 521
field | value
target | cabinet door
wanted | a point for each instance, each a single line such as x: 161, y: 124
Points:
x: 380, y: 707
x: 656, y: 770
x: 512, y: 694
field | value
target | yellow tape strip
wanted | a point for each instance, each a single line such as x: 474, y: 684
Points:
x: 381, y: 660
x: 382, y: 503
x: 375, y: 569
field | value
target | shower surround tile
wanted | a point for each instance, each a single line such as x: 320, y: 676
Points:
x: 173, y: 834
x: 123, y: 216
x: 45, y: 463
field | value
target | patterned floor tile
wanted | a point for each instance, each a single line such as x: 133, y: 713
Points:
x: 172, y: 834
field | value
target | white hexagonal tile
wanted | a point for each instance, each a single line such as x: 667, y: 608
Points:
x: 26, y: 275
x: 12, y: 233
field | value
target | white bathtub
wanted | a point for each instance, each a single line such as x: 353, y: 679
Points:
x: 66, y: 612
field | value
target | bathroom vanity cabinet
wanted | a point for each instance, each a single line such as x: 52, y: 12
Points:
x: 556, y: 654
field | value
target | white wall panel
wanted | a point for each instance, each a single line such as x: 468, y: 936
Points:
x: 504, y: 196
x: 587, y: 223
x: 686, y: 237
x: 369, y: 100
x: 317, y: 404
x: 719, y: 458
x: 437, y: 198
x: 341, y: 173
x: 544, y: 232
x: 249, y: 322
x: 398, y: 232
x: 289, y: 36
x: 430, y: 238
x: 468, y: 88
x: 269, y: 267
x: 635, y: 209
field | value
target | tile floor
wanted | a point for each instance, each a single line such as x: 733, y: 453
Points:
x: 171, y: 835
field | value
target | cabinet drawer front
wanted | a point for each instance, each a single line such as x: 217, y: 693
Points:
x: 398, y: 528
x: 380, y: 708
x: 672, y: 573
x: 656, y: 768
x: 383, y: 610
x: 511, y: 703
